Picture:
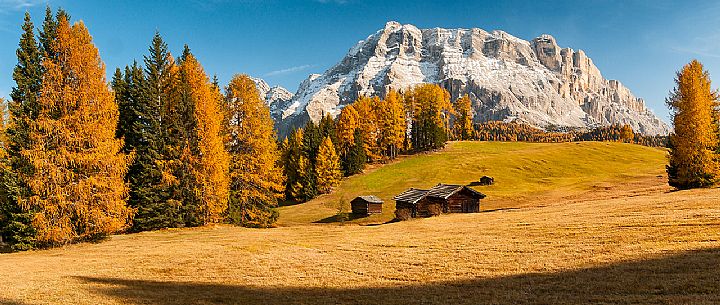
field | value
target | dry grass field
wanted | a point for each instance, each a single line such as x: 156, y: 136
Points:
x: 605, y: 241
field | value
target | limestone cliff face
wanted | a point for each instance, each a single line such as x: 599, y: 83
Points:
x: 507, y: 78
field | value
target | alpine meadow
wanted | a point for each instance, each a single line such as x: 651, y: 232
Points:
x: 150, y: 153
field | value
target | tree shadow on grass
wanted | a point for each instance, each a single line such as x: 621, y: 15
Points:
x: 686, y: 278
x: 337, y: 218
x: 287, y: 203
x: 10, y: 302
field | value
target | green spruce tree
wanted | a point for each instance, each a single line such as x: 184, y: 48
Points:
x: 16, y: 222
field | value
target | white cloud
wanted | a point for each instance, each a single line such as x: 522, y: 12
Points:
x: 17, y: 5
x: 332, y: 1
x: 288, y: 70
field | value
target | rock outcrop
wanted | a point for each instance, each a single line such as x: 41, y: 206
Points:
x: 277, y: 98
x: 507, y: 78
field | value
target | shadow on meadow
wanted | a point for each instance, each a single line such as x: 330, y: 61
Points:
x: 686, y: 278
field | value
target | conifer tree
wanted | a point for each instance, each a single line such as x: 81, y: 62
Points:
x: 392, y: 123
x: 48, y: 33
x: 626, y: 134
x: 209, y: 157
x: 77, y: 185
x: 693, y: 105
x: 346, y: 126
x: 356, y: 157
x: 368, y: 125
x: 327, y: 167
x: 292, y: 165
x: 255, y: 176
x: 464, y: 121
x: 140, y: 127
x: 308, y: 178
x: 430, y: 108
x: 178, y: 124
x: 15, y: 222
x: 328, y: 128
x: 310, y: 144
x: 311, y: 141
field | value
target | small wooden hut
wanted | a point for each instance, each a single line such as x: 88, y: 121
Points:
x: 406, y: 203
x: 366, y: 205
x: 442, y: 198
x: 455, y: 198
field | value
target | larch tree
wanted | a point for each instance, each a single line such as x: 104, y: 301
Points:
x: 346, y: 125
x: 368, y: 125
x: 464, y: 120
x: 392, y: 124
x: 693, y: 104
x: 430, y: 109
x: 327, y: 167
x: 16, y: 222
x: 256, y: 179
x: 77, y: 186
x: 626, y: 134
x: 210, y: 159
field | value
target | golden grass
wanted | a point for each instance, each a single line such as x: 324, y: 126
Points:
x: 660, y: 248
x: 632, y: 243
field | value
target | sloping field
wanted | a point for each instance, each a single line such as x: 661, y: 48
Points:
x: 526, y: 174
x: 660, y: 248
x: 566, y: 224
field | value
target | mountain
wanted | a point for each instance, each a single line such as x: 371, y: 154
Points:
x: 276, y: 97
x: 507, y: 78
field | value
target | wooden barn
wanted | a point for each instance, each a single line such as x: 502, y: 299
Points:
x: 442, y: 198
x: 456, y: 198
x: 366, y: 205
x: 409, y: 202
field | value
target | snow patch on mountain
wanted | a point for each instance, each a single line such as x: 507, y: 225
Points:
x: 507, y: 78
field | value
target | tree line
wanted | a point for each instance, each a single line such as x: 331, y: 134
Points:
x: 163, y: 146
x: 513, y: 132
x: 371, y: 129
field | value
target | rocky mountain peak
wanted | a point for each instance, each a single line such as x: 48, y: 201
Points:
x: 508, y: 78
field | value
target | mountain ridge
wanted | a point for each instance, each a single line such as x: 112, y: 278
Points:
x: 508, y: 78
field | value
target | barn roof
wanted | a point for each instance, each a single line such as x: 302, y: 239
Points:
x: 444, y: 191
x: 412, y: 195
x: 369, y: 198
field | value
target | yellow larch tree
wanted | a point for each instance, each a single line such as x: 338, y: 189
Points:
x: 212, y: 161
x: 346, y: 125
x: 430, y: 107
x: 77, y: 186
x: 463, y: 124
x: 626, y: 134
x: 368, y: 125
x: 327, y: 167
x: 256, y: 179
x: 391, y: 118
x: 693, y: 104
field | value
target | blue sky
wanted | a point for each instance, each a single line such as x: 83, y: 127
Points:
x: 641, y: 43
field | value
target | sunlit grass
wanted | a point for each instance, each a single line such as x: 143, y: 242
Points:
x: 522, y: 172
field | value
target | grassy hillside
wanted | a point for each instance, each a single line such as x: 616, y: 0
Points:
x: 661, y: 248
x: 588, y: 223
x: 526, y: 174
